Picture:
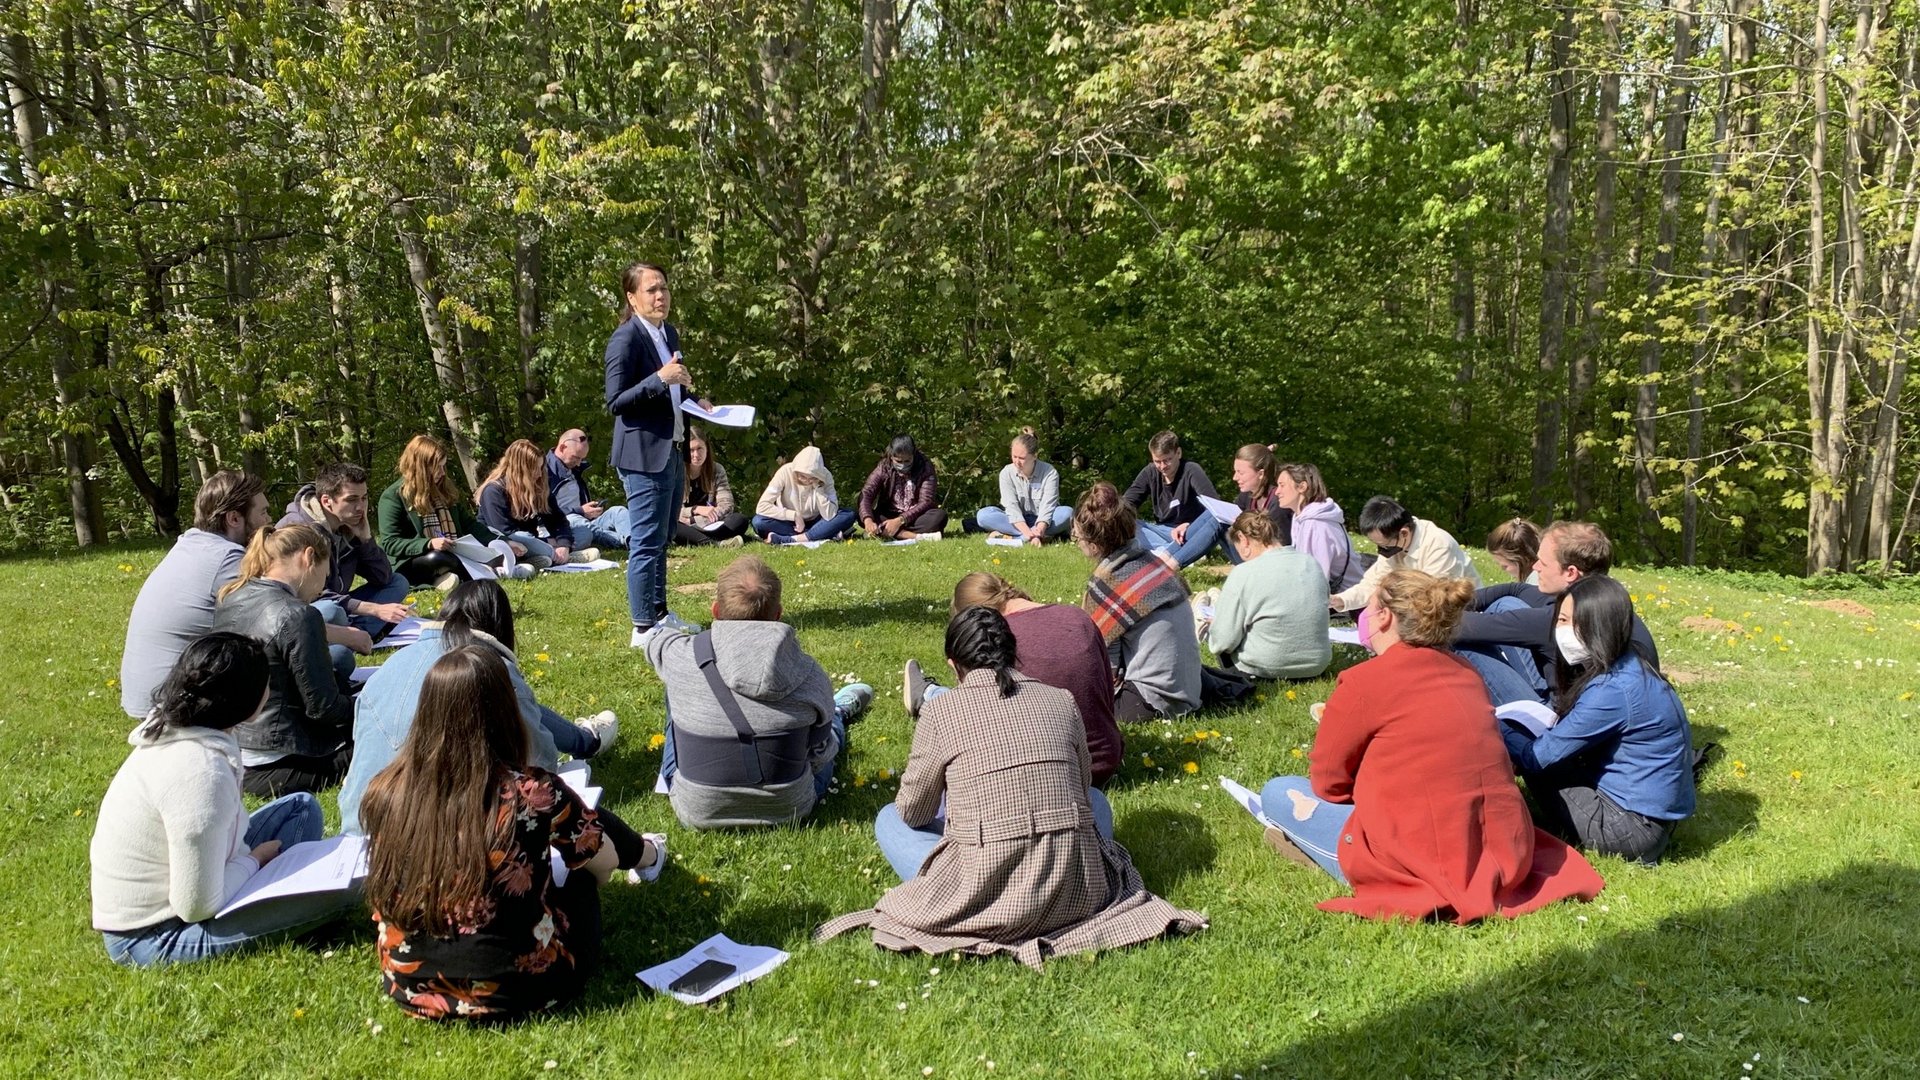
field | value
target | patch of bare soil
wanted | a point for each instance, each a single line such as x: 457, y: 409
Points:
x: 1845, y: 607
x: 1707, y: 624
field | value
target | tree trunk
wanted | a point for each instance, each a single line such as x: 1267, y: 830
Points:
x: 1553, y: 263
x: 531, y: 316
x: 1584, y: 365
x: 1852, y: 355
x: 447, y: 369
x: 1826, y: 382
x: 1706, y: 341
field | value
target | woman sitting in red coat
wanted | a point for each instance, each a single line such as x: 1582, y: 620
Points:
x: 1433, y: 825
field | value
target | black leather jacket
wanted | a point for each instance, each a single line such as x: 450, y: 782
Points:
x: 305, y: 714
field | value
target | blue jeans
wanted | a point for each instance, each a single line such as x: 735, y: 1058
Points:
x: 536, y: 547
x: 1285, y: 798
x: 832, y: 528
x: 1202, y: 534
x: 653, y: 499
x: 995, y: 519
x: 1510, y: 671
x: 568, y: 737
x: 343, y: 663
x: 907, y: 848
x: 610, y: 530
x: 290, y: 819
x: 822, y: 770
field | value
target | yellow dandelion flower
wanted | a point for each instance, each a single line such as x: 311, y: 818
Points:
x: 996, y: 561
x: 298, y: 1013
x: 859, y: 781
x: 656, y: 741
x: 1147, y: 760
x: 703, y: 880
x: 1299, y: 753
x: 1191, y: 767
x: 542, y: 657
x: 1794, y: 776
x: 111, y: 683
x: 799, y: 562
x: 886, y: 774
x: 1291, y: 696
x: 1908, y: 696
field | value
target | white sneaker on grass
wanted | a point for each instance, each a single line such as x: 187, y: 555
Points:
x: 853, y: 699
x: 913, y: 687
x: 605, y: 727
x: 583, y: 556
x: 521, y: 572
x: 651, y: 872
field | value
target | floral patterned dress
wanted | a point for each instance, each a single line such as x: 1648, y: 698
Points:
x: 513, y: 956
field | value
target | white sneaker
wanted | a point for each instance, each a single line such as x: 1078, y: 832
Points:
x: 584, y: 555
x: 521, y: 572
x: 605, y: 727
x: 639, y: 639
x: 651, y: 872
x: 675, y: 622
x: 732, y: 541
x: 913, y: 687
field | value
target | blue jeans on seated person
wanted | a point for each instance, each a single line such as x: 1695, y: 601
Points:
x: 536, y: 547
x: 822, y: 774
x: 907, y: 848
x: 995, y: 519
x: 1286, y: 798
x: 1202, y: 534
x: 290, y: 819
x: 778, y: 531
x: 610, y: 530
x: 1510, y: 671
x: 343, y: 663
x: 568, y: 737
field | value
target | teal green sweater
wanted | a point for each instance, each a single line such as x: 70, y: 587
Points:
x: 1271, y: 619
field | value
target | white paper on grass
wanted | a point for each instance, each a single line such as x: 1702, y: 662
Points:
x: 737, y: 416
x: 404, y: 632
x: 583, y: 568
x: 926, y: 538
x: 361, y: 675
x: 661, y: 785
x: 1224, y: 512
x: 1343, y: 635
x: 1248, y: 800
x: 1006, y: 541
x: 318, y: 866
x: 805, y: 543
x: 749, y: 963
x: 1532, y: 716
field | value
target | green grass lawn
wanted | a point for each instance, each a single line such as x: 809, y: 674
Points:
x: 1782, y: 934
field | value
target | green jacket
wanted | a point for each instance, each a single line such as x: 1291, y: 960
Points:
x: 403, y: 535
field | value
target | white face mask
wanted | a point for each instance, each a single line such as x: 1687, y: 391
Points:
x: 1571, y: 647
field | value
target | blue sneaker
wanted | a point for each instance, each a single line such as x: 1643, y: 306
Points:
x: 853, y: 701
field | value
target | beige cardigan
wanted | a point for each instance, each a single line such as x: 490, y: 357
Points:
x: 1433, y: 550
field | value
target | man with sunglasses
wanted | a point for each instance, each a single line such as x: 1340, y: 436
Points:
x: 594, y: 523
x: 1404, y: 542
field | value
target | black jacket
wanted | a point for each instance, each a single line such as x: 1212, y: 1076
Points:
x: 305, y: 714
x: 1177, y: 503
x: 1531, y: 629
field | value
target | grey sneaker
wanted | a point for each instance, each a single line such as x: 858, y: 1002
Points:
x: 677, y: 623
x: 583, y: 556
x: 854, y: 699
x: 538, y: 562
x: 732, y: 541
x: 605, y: 727
x: 521, y: 572
x: 651, y: 872
x: 913, y: 687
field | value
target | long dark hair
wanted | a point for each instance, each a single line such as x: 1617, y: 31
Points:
x: 480, y: 605
x: 979, y: 637
x: 1603, y: 617
x: 217, y: 683
x: 430, y: 815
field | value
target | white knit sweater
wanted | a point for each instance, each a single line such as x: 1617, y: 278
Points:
x: 171, y: 840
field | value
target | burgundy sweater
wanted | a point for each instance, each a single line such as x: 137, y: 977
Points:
x: 1059, y: 645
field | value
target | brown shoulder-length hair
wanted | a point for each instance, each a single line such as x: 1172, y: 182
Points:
x: 522, y: 472
x: 982, y: 589
x: 431, y: 815
x: 424, y: 481
x: 708, y: 472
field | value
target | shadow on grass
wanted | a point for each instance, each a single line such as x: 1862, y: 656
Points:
x: 1167, y: 846
x: 900, y: 609
x: 1818, y: 978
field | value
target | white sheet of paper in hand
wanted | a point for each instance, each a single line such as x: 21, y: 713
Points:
x: 724, y: 415
x: 1006, y: 541
x: 1248, y: 800
x: 1225, y: 512
x: 1343, y: 635
x: 315, y: 867
x: 1530, y: 715
x: 749, y: 963
x: 404, y: 632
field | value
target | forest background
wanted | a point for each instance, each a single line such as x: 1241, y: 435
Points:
x: 1656, y: 264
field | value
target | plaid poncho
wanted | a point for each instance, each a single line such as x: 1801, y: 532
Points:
x: 1130, y: 585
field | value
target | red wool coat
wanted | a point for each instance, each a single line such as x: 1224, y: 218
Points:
x: 1438, y: 827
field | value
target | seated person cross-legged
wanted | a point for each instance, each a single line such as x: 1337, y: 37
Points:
x: 1001, y: 844
x: 422, y: 514
x: 1056, y: 644
x: 1405, y: 542
x: 747, y: 682
x: 1139, y: 604
x: 475, y: 613
x: 1171, y: 486
x: 707, y: 514
x: 1318, y: 526
x: 800, y: 503
x: 471, y: 922
x: 1029, y: 509
x: 901, y: 498
x: 336, y: 504
x: 1256, y: 474
x: 300, y: 740
x: 594, y: 523
x: 1410, y: 798
x: 1615, y: 772
x: 516, y: 502
x: 174, y: 842
x: 1270, y: 618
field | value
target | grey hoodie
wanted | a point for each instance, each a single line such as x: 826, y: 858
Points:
x: 779, y: 688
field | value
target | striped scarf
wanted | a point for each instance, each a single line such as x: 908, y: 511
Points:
x: 1130, y: 585
x: 438, y: 522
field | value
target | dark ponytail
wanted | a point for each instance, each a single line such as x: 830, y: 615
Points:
x: 217, y: 683
x: 480, y: 604
x: 979, y: 637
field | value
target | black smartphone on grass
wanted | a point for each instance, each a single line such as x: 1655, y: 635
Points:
x: 704, y: 977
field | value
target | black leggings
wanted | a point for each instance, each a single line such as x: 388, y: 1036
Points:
x: 693, y: 535
x: 422, y: 571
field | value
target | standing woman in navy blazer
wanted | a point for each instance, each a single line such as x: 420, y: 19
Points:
x: 645, y: 384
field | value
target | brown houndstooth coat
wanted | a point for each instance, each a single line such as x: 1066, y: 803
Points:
x: 1020, y: 869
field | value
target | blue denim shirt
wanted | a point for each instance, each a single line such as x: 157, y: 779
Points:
x: 384, y: 712
x: 1628, y: 732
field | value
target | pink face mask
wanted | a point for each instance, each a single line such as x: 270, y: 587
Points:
x: 1366, y: 629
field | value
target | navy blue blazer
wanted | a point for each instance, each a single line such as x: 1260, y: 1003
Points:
x: 642, y: 405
